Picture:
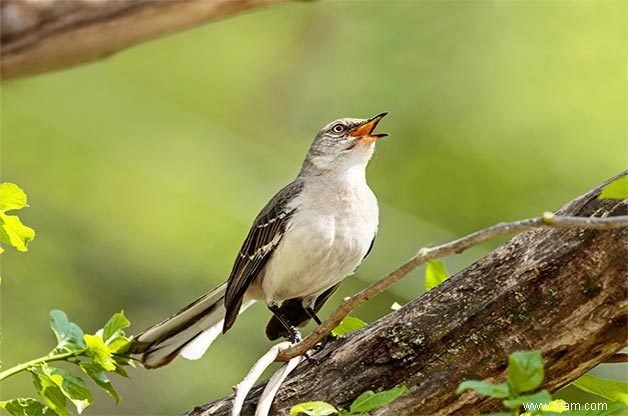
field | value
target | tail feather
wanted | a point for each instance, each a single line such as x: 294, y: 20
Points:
x: 188, y: 332
x: 197, y: 347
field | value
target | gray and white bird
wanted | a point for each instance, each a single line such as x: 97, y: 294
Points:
x: 310, y: 236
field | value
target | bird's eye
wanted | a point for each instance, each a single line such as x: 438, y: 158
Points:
x: 338, y: 128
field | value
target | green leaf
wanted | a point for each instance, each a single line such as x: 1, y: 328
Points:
x: 313, y: 409
x: 609, y: 389
x: 540, y: 397
x: 119, y: 345
x: 498, y: 391
x: 349, y: 324
x: 121, y: 371
x: 618, y: 189
x: 11, y: 197
x: 100, y: 353
x: 12, y: 231
x: 525, y: 371
x: 26, y: 407
x: 435, y: 274
x: 50, y: 392
x: 71, y: 386
x: 69, y: 335
x: 369, y: 400
x: 98, y: 374
x: 113, y: 328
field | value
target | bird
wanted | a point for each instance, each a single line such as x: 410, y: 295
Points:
x: 309, y: 237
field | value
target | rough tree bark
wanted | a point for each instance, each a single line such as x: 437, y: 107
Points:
x: 562, y: 292
x: 45, y: 35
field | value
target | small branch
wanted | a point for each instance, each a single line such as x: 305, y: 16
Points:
x: 46, y: 359
x: 620, y: 357
x: 244, y: 387
x: 272, y: 387
x: 548, y: 220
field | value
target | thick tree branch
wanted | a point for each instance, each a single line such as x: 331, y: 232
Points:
x: 44, y: 35
x: 559, y: 291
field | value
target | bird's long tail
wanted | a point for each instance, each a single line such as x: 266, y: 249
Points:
x: 188, y: 332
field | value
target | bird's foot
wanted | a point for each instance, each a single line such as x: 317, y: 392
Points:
x: 310, y: 358
x: 318, y: 348
x: 321, y: 345
x: 295, y: 335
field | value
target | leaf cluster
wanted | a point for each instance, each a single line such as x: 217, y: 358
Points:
x: 95, y: 355
x: 361, y: 406
x: 525, y: 375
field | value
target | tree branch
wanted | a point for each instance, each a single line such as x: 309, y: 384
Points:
x: 39, y: 36
x: 617, y: 358
x: 558, y: 289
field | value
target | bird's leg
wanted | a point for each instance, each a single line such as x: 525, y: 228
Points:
x: 312, y: 314
x: 295, y: 335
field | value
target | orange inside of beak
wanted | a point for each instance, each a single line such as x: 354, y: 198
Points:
x: 365, y: 129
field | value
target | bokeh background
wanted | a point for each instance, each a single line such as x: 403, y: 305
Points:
x: 145, y: 170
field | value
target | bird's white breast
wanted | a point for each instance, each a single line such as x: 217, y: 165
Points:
x: 328, y: 237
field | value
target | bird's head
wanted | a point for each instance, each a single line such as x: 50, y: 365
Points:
x: 344, y: 143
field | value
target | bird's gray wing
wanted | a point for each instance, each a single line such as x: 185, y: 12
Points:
x: 265, y: 234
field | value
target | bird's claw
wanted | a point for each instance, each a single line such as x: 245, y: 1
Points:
x: 319, y: 347
x: 311, y: 359
x: 295, y: 335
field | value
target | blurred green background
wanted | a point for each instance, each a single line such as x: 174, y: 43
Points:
x: 145, y: 170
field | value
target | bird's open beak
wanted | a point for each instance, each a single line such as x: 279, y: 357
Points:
x: 365, y: 130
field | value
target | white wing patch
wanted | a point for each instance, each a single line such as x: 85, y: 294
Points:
x: 272, y: 220
x: 263, y: 250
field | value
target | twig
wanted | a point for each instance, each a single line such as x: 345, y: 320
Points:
x: 46, y: 359
x: 243, y: 388
x: 270, y: 391
x: 620, y: 357
x: 548, y: 220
